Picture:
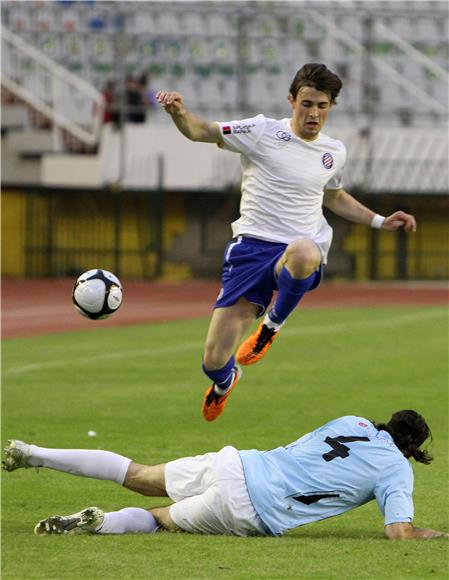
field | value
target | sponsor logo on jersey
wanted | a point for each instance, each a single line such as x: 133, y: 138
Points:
x: 362, y: 424
x: 242, y: 128
x: 328, y: 160
x: 283, y: 135
x: 226, y: 130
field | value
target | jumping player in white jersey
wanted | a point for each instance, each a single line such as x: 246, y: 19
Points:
x: 336, y: 468
x: 281, y: 240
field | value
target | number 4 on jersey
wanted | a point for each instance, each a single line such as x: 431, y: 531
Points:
x: 338, y: 449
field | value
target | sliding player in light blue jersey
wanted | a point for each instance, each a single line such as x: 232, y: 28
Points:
x: 290, y: 169
x: 332, y: 470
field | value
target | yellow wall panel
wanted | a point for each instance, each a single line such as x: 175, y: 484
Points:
x: 13, y: 233
x: 74, y: 231
x: 175, y: 222
x: 357, y: 244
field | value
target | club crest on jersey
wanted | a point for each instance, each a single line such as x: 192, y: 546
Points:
x: 328, y: 160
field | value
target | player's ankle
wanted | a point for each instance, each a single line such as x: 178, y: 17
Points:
x: 220, y: 391
x: 271, y: 324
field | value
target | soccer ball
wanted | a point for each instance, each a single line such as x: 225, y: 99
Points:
x: 97, y: 294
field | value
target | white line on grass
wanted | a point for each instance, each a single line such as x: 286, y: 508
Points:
x: 393, y: 320
x: 153, y: 352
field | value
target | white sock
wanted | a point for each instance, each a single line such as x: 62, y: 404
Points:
x: 273, y: 325
x: 129, y: 521
x: 84, y: 462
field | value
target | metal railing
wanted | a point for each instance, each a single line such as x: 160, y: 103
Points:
x: 68, y: 101
x: 388, y: 71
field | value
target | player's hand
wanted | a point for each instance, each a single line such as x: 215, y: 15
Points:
x: 172, y: 102
x: 400, y: 219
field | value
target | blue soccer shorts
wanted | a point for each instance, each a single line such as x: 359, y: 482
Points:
x: 249, y: 271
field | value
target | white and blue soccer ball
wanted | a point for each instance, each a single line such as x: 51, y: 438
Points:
x: 97, y: 294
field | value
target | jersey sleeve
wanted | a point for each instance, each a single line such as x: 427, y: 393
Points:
x: 242, y: 136
x: 335, y: 182
x: 394, y: 495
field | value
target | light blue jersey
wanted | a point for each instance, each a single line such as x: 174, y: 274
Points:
x: 334, y: 469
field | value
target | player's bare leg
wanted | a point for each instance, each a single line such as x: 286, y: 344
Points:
x: 162, y: 515
x: 226, y: 328
x: 296, y: 270
x: 146, y: 479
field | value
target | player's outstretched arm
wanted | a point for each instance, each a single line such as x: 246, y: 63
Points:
x: 343, y: 204
x: 406, y: 531
x: 193, y: 127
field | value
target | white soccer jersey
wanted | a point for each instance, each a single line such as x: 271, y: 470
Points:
x: 284, y: 179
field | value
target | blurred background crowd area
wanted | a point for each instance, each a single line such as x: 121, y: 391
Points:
x: 94, y: 171
x: 236, y: 58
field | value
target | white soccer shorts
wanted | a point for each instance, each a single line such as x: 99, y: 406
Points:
x: 211, y: 495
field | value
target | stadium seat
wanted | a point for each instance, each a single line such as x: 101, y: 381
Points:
x: 184, y: 46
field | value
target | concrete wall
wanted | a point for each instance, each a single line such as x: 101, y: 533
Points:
x: 134, y: 160
x: 18, y: 169
x: 393, y: 159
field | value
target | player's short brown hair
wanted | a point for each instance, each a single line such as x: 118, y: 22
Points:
x: 319, y: 77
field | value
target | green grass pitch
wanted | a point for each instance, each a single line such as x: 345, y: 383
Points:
x: 140, y: 388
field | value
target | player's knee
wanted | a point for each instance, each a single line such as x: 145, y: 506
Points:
x: 213, y: 359
x: 163, y: 517
x: 302, y: 258
x: 213, y: 362
x: 147, y: 480
x: 133, y: 476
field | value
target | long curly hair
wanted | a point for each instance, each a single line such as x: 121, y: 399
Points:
x: 409, y: 431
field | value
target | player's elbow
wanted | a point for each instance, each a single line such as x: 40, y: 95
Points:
x: 206, y: 133
x: 399, y: 531
x: 202, y: 138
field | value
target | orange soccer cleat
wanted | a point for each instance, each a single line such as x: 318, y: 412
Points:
x: 256, y: 346
x: 213, y: 404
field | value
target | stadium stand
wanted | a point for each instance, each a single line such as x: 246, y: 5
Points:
x: 216, y: 44
x: 230, y: 60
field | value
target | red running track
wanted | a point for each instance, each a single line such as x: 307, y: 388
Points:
x: 40, y: 306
